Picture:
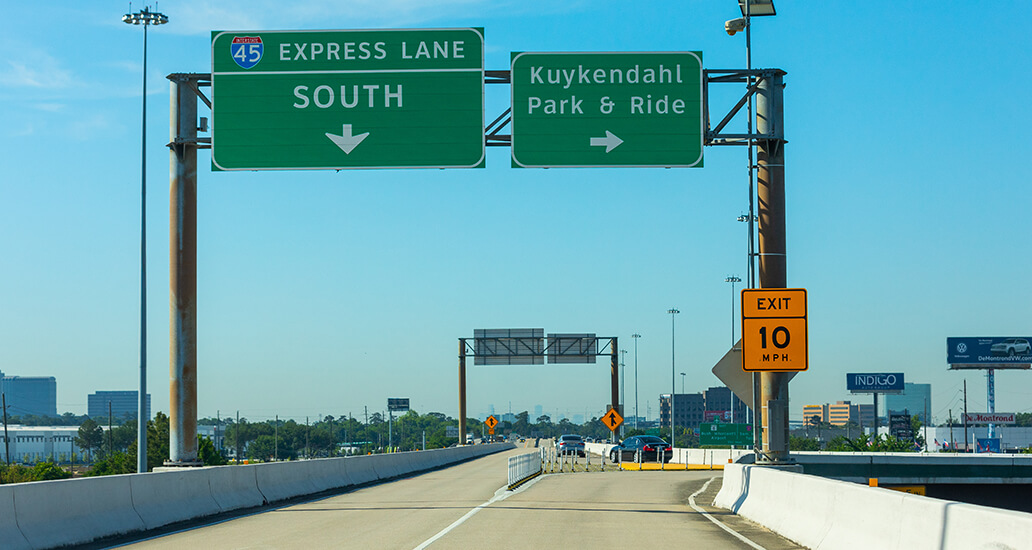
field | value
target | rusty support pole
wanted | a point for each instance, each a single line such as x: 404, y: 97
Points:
x: 182, y: 272
x: 773, y: 264
x: 462, y: 391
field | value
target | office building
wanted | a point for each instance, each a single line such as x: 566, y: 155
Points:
x: 815, y: 413
x: 124, y: 405
x: 866, y: 412
x: 29, y: 395
x: 688, y: 410
x: 915, y: 399
x: 839, y: 414
x: 720, y: 399
x: 842, y: 413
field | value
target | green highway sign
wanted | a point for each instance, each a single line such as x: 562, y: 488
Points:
x: 717, y: 433
x: 347, y: 99
x: 631, y: 109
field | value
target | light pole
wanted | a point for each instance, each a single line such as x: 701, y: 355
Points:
x: 623, y: 386
x: 673, y: 370
x: 635, y: 336
x: 145, y: 18
x: 769, y: 388
x: 732, y: 279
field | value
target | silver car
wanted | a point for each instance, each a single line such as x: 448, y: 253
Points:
x: 570, y: 444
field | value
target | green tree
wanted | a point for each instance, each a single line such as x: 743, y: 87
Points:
x: 159, y: 433
x: 207, y: 454
x: 123, y: 436
x: 90, y: 437
x: 262, y: 448
x: 804, y: 443
x: 115, y: 463
x: 45, y: 471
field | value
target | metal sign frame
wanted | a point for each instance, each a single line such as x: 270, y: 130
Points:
x: 468, y: 348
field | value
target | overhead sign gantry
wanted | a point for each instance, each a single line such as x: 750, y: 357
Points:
x: 528, y: 346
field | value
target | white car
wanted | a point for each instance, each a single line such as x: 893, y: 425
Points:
x: 1011, y: 347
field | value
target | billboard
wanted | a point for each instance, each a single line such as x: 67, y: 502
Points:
x: 521, y: 346
x: 572, y: 348
x: 900, y: 426
x: 997, y: 352
x: 716, y: 416
x: 987, y: 445
x: 869, y: 382
x: 397, y: 403
x: 989, y: 418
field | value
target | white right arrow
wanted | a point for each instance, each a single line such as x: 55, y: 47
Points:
x: 346, y: 141
x: 610, y: 142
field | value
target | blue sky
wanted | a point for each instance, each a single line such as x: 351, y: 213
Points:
x: 325, y: 292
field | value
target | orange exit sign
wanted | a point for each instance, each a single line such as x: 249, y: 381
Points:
x: 774, y: 334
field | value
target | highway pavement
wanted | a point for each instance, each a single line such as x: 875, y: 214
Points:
x: 466, y: 506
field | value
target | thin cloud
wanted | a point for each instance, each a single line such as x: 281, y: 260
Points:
x: 49, y: 107
x: 191, y: 18
x: 40, y: 71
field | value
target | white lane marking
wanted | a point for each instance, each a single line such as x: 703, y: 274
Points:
x: 500, y: 495
x: 691, y: 502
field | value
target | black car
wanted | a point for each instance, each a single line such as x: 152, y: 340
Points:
x: 649, y: 446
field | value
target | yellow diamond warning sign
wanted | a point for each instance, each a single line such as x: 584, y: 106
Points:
x: 612, y: 420
x: 491, y: 423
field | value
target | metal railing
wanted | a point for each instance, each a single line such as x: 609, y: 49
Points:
x: 523, y: 467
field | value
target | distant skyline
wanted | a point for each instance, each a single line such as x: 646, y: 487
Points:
x: 324, y: 292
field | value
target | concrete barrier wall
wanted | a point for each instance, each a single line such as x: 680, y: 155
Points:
x: 283, y: 480
x: 10, y: 534
x: 169, y: 497
x: 827, y: 514
x: 49, y: 514
x: 361, y: 469
x: 70, y: 511
x: 235, y: 487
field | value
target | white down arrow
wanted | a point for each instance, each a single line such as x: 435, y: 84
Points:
x: 346, y: 141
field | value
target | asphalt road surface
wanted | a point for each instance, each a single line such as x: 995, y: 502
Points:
x: 466, y: 506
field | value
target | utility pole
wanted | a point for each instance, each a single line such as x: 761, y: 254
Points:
x: 635, y: 336
x: 110, y: 444
x: 965, y: 417
x: 623, y: 388
x: 952, y: 444
x: 275, y: 435
x: 236, y: 436
x: 926, y: 423
x: 7, y: 439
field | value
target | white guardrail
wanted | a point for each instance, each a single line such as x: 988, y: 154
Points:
x: 49, y: 514
x: 523, y: 467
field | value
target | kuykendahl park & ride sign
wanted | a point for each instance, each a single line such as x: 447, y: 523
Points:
x: 286, y: 100
x: 632, y: 109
